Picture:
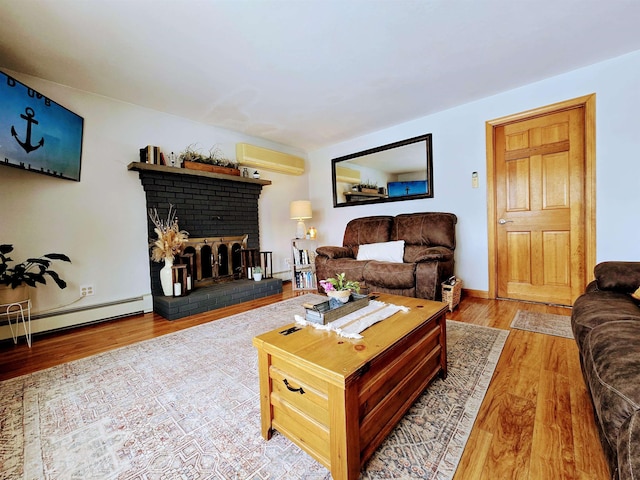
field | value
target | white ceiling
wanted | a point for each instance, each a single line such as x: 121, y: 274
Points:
x: 309, y: 73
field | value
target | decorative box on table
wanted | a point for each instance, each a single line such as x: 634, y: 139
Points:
x: 330, y: 310
x: 451, y: 293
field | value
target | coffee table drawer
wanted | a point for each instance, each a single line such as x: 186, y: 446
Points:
x: 299, y: 395
x: 300, y: 410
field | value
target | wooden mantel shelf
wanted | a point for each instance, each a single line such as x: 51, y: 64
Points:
x: 147, y: 167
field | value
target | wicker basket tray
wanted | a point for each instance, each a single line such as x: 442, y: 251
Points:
x: 451, y: 294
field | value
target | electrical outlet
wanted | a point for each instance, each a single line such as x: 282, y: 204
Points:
x: 86, y: 290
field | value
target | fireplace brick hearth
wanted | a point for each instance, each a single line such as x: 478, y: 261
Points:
x: 216, y: 296
x: 207, y: 205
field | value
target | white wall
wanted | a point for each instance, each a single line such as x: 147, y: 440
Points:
x: 459, y: 149
x: 100, y: 222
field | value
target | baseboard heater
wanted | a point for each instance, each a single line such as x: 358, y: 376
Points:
x: 61, y: 320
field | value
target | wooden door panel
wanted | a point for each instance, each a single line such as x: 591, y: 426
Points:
x: 516, y: 140
x: 519, y: 257
x: 554, y: 133
x: 518, y: 185
x: 556, y: 258
x: 555, y: 181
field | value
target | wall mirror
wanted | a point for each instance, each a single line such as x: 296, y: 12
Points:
x: 398, y: 171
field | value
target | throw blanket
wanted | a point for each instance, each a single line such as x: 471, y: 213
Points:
x: 352, y: 324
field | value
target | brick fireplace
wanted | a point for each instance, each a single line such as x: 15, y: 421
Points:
x: 208, y: 206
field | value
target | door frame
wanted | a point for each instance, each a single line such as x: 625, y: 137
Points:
x: 588, y: 103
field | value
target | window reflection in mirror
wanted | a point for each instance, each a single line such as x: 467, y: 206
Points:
x: 398, y: 171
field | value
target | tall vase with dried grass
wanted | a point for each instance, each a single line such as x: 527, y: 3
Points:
x: 169, y: 243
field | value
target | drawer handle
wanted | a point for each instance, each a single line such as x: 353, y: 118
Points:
x: 291, y: 389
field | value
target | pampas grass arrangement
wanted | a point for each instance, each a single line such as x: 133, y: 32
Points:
x: 170, y: 238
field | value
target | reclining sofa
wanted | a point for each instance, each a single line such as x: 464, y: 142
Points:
x: 410, y: 254
x: 606, y: 326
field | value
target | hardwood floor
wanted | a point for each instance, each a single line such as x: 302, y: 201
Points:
x: 536, y: 421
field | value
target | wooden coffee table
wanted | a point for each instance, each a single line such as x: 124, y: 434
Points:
x: 337, y: 398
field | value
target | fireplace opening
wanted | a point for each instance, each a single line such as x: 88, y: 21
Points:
x: 214, y: 259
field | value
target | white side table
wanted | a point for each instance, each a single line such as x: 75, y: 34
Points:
x: 18, y: 310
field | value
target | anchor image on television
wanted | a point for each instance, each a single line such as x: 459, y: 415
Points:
x: 29, y: 117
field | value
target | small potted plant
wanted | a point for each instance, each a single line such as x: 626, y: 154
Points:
x: 257, y: 273
x: 15, y: 279
x: 339, y: 287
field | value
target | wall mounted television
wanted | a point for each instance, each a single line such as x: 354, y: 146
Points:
x: 36, y: 133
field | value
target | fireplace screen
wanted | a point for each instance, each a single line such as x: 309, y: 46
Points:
x: 214, y: 259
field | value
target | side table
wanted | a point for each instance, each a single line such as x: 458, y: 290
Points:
x: 18, y: 309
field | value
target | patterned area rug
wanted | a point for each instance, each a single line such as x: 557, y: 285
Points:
x: 549, y: 323
x: 186, y: 405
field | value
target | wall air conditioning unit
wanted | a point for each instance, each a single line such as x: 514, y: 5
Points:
x: 347, y: 175
x: 265, y: 159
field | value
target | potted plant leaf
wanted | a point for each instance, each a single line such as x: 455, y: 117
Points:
x: 339, y: 287
x: 15, y: 278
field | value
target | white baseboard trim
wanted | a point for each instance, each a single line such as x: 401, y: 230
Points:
x: 80, y: 316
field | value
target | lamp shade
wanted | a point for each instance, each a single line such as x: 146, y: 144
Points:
x: 300, y: 209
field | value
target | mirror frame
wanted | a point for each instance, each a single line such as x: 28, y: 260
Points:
x: 427, y: 138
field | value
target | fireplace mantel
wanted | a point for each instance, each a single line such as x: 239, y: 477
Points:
x: 142, y: 167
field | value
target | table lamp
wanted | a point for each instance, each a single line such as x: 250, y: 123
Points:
x: 300, y: 210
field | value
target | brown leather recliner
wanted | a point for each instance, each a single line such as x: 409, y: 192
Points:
x: 430, y: 242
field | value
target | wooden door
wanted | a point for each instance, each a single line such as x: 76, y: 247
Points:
x: 540, y: 207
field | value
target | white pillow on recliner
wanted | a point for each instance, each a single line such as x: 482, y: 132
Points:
x: 383, y: 251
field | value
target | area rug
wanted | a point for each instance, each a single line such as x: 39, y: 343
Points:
x: 186, y: 405
x: 548, y: 323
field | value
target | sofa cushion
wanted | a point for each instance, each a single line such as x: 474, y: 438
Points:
x: 383, y: 251
x: 367, y: 230
x: 613, y: 374
x: 335, y: 252
x: 422, y: 253
x: 353, y: 269
x: 429, y: 228
x: 391, y: 275
x: 618, y: 276
x: 598, y: 307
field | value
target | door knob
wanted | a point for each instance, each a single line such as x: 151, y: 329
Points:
x: 502, y: 221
